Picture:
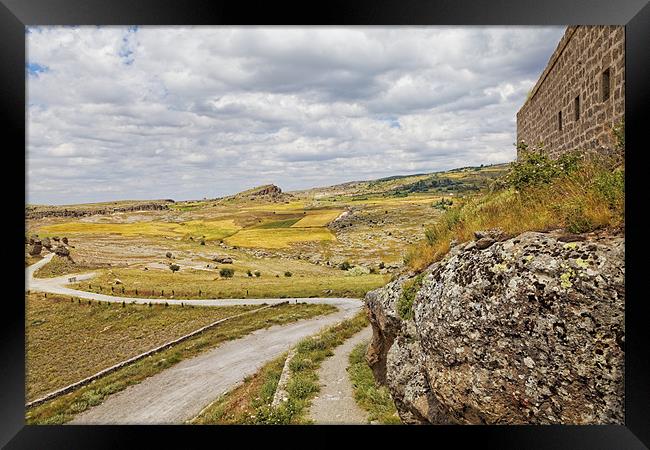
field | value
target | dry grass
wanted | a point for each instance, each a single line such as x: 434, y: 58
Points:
x: 62, y: 266
x: 279, y: 237
x: 68, y: 341
x: 317, y: 218
x: 589, y: 198
x: 188, y: 283
x: 209, y: 229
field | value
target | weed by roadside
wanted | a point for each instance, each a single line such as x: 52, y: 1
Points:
x: 369, y: 395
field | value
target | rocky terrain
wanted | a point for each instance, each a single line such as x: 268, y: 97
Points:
x: 39, y: 212
x: 268, y: 193
x: 507, y: 331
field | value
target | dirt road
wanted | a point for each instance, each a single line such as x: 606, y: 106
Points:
x: 182, y: 391
x: 335, y: 403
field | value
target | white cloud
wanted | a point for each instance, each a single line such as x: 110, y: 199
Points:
x: 174, y: 112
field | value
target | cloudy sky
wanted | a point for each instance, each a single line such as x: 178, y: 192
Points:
x: 186, y: 113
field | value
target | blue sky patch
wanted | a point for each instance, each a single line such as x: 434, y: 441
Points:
x: 34, y: 69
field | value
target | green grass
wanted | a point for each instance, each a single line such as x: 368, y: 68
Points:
x: 405, y: 301
x: 367, y: 392
x: 64, y: 408
x: 251, y: 402
x: 304, y: 282
x: 241, y: 405
x: 303, y: 383
x: 286, y: 223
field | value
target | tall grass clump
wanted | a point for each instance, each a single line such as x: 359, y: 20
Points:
x: 577, y: 193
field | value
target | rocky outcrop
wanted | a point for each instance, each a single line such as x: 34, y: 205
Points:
x: 35, y: 247
x: 223, y: 259
x: 38, y: 212
x: 62, y: 251
x: 523, y: 330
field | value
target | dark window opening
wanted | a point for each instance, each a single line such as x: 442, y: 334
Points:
x: 606, y: 83
x: 577, y: 107
x: 559, y: 121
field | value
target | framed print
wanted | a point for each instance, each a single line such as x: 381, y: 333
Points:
x: 352, y: 217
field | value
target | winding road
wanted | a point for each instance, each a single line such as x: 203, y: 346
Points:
x: 179, y: 393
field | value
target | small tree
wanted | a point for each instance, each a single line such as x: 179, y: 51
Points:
x: 168, y: 254
x: 174, y: 267
x: 287, y: 274
x: 227, y: 272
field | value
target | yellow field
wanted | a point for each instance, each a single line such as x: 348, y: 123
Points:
x: 278, y: 237
x: 217, y: 229
x: 297, y: 205
x: 317, y: 218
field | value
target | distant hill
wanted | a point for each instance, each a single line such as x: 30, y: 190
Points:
x: 264, y: 193
x: 464, y: 179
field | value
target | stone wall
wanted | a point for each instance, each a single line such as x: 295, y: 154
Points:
x: 574, y: 83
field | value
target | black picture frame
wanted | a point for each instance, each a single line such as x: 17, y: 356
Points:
x: 16, y: 14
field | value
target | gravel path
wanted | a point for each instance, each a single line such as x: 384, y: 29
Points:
x: 182, y: 391
x: 335, y: 403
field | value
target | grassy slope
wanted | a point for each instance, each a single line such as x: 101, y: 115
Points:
x: 63, y: 409
x: 539, y: 196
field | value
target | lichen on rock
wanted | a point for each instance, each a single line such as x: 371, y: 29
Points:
x: 527, y: 330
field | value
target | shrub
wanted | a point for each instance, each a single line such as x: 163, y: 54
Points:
x: 618, y: 131
x: 357, y: 271
x: 405, y: 302
x: 443, y: 203
x: 535, y: 168
x: 202, y: 242
x: 174, y: 267
x: 287, y: 274
x: 574, y: 193
x: 226, y: 272
x: 345, y: 265
x: 249, y: 273
x: 381, y: 265
x: 575, y: 216
x: 611, y: 187
x: 257, y: 273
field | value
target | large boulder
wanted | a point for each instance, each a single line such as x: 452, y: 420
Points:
x: 62, y: 251
x: 47, y: 243
x: 35, y: 248
x: 527, y: 330
x: 223, y: 259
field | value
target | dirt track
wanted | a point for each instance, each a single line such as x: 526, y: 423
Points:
x: 182, y: 391
x: 335, y: 403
